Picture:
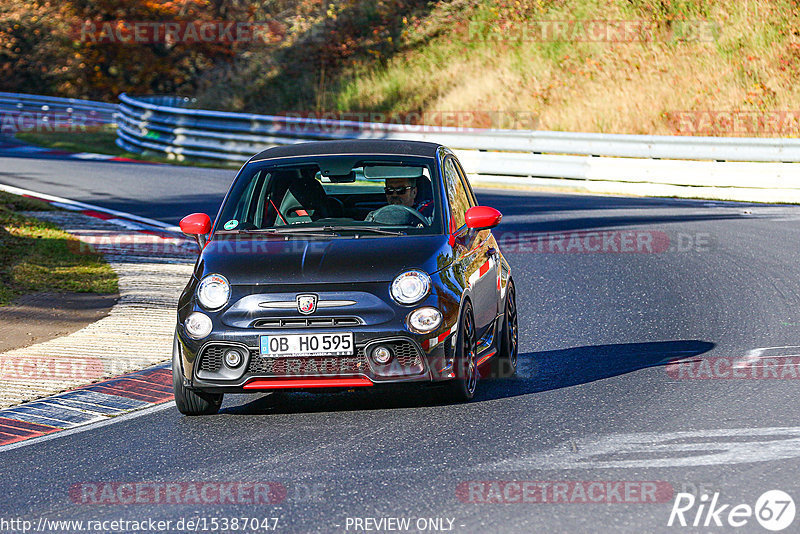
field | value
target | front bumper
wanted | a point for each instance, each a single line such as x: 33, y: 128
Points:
x: 205, y: 369
x: 365, y: 310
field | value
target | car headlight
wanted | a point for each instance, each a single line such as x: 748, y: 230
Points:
x: 198, y: 325
x: 424, y: 320
x: 410, y: 287
x: 213, y: 292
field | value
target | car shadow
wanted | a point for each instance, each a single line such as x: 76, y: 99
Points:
x: 515, y: 202
x: 537, y: 202
x: 556, y: 369
x: 537, y: 372
x: 550, y: 213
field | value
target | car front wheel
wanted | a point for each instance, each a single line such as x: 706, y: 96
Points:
x: 191, y: 402
x: 462, y: 388
x: 505, y: 363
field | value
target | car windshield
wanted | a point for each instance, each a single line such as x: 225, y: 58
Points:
x: 335, y: 195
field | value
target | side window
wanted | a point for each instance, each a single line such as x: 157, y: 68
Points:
x: 457, y: 197
x: 244, y: 206
x: 467, y: 185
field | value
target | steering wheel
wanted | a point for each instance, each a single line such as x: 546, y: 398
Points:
x: 397, y: 214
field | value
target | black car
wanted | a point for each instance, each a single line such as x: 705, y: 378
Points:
x: 344, y: 264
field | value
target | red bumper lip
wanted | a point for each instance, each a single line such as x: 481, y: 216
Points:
x: 302, y: 383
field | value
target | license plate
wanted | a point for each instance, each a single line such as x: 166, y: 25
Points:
x: 293, y: 345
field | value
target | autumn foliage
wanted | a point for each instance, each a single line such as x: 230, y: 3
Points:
x: 678, y: 61
x: 43, y: 50
x: 83, y: 48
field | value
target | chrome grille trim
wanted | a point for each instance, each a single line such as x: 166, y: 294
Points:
x: 289, y: 304
x: 307, y: 322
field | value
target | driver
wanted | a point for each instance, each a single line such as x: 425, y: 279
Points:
x: 403, y: 191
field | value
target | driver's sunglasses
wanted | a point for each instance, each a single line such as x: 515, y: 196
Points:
x: 397, y: 190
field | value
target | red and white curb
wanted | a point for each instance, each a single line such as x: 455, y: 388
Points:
x: 106, y: 157
x: 86, y: 405
x: 19, y: 149
x: 120, y: 218
x: 141, y: 235
x: 138, y: 330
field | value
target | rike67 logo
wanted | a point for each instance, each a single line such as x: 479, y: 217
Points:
x: 774, y: 510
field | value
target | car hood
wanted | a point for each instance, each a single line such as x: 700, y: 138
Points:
x: 256, y: 260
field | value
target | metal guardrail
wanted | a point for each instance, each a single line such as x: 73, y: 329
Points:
x: 24, y: 111
x: 169, y: 125
x: 170, y: 122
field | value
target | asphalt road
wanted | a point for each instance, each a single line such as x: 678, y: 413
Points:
x: 163, y: 192
x: 593, y: 400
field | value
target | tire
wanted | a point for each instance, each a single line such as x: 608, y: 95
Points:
x: 191, y: 402
x: 505, y: 363
x: 462, y: 387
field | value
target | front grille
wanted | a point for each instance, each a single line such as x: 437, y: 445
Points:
x: 306, y: 322
x: 405, y: 353
x: 211, y: 359
x: 323, y: 365
x: 407, y: 360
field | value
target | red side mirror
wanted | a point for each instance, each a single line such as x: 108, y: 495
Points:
x: 482, y: 217
x: 196, y: 224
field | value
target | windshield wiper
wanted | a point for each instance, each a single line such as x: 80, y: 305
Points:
x: 364, y: 228
x: 313, y: 231
x: 285, y: 231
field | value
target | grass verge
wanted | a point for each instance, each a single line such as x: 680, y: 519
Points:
x: 102, y: 141
x: 37, y: 256
x: 609, y: 66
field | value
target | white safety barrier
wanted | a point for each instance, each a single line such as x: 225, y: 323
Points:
x: 21, y: 112
x: 719, y: 167
x: 737, y: 168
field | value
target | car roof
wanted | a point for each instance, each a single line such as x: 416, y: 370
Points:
x: 351, y: 146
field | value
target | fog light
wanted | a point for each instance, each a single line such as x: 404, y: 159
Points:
x: 198, y: 325
x: 424, y: 320
x: 233, y: 358
x: 382, y: 355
